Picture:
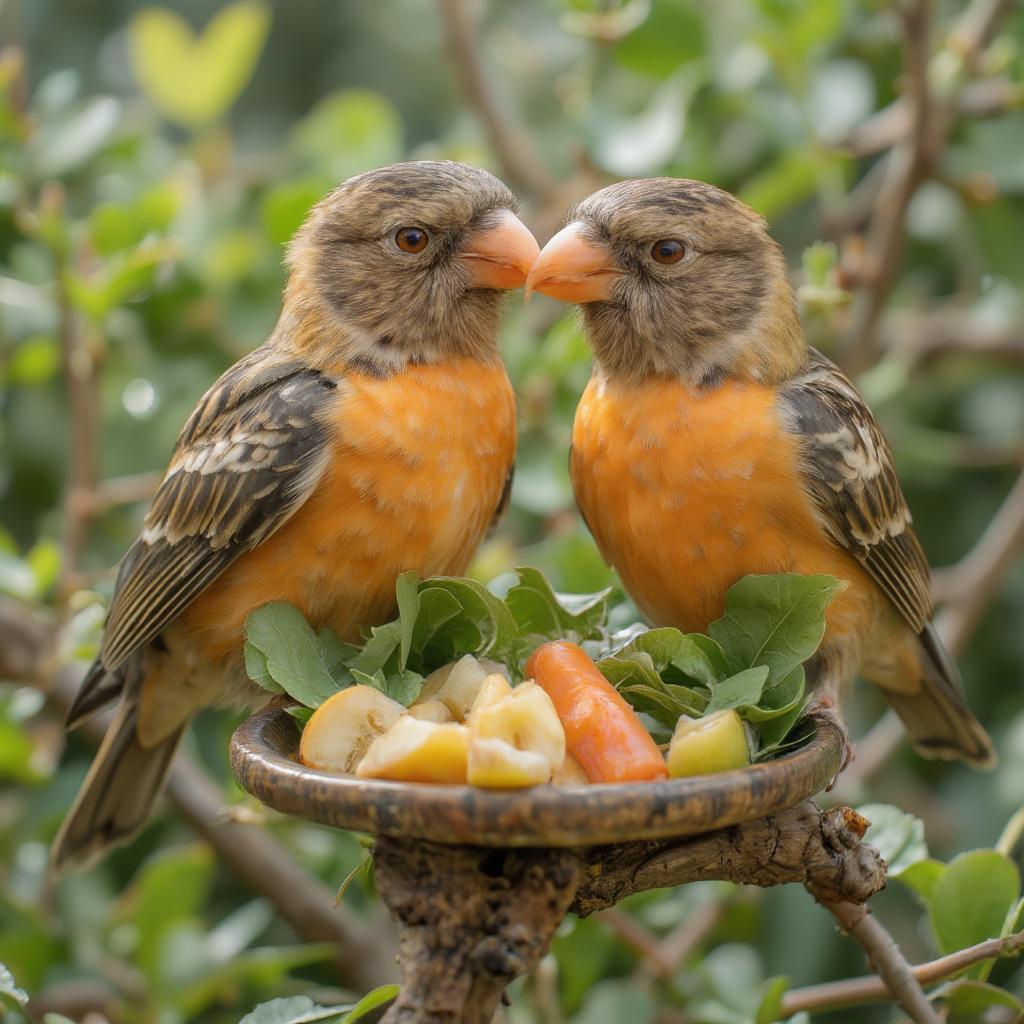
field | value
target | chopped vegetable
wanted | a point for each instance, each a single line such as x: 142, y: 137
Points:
x: 570, y: 773
x: 414, y: 750
x: 431, y: 711
x: 715, y: 743
x: 343, y: 727
x: 601, y: 730
x: 515, y: 737
x: 455, y: 685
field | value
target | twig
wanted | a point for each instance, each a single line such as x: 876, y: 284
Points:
x: 123, y: 490
x: 364, y: 955
x: 884, y: 128
x: 364, y: 958
x: 511, y: 144
x: 821, y: 850
x: 974, y: 581
x: 926, y: 336
x: 629, y: 930
x: 975, y: 28
x: 82, y: 409
x: 680, y: 943
x: 907, y: 168
x: 894, y: 972
x: 835, y: 995
x: 968, y: 589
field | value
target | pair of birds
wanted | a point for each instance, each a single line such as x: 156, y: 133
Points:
x: 374, y: 432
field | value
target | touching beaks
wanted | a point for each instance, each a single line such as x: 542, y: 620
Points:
x: 500, y: 256
x: 573, y: 269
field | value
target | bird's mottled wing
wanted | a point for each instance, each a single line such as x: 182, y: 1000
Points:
x: 248, y: 457
x: 847, y: 468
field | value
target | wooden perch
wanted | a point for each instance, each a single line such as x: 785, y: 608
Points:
x: 472, y: 919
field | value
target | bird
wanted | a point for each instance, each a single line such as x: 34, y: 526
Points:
x: 713, y: 442
x: 371, y: 434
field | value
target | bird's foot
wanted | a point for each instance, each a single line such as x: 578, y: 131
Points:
x: 825, y: 706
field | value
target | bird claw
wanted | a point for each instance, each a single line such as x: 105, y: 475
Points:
x: 825, y: 706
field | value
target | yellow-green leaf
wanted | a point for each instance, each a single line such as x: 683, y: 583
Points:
x: 195, y: 79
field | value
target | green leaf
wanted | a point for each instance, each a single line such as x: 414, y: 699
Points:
x: 336, y: 653
x: 695, y: 655
x: 771, y: 992
x: 378, y: 650
x: 538, y: 610
x: 295, y: 658
x: 293, y: 1010
x: 169, y: 891
x: 256, y: 668
x: 776, y: 621
x: 194, y: 80
x: 922, y: 876
x: 782, y: 704
x: 64, y: 147
x: 408, y: 598
x: 968, y: 1000
x: 284, y: 207
x: 34, y: 361
x: 489, y: 613
x: 299, y: 713
x: 658, y: 703
x: 742, y: 690
x: 9, y: 992
x: 672, y: 34
x: 348, y: 132
x: 378, y: 997
x: 438, y: 609
x: 896, y: 835
x: 403, y: 686
x: 970, y: 901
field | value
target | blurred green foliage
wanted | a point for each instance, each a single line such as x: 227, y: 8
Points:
x: 152, y: 164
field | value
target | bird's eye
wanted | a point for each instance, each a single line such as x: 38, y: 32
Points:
x: 668, y: 250
x: 411, y: 239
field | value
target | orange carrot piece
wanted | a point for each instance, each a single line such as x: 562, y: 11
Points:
x: 602, y: 731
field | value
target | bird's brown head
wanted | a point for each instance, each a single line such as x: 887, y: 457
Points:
x: 675, y: 276
x: 405, y: 263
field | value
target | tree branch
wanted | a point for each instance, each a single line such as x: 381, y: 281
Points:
x: 511, y: 144
x: 364, y: 958
x: 871, y: 989
x: 894, y: 972
x: 970, y: 586
x: 821, y: 850
x: 907, y: 168
x: 83, y: 412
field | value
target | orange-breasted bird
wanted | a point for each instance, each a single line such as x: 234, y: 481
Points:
x: 712, y: 442
x: 373, y: 433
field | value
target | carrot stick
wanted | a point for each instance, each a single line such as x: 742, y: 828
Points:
x: 601, y: 730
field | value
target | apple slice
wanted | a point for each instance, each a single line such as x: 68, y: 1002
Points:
x: 339, y: 732
x: 415, y: 750
x: 715, y: 743
x: 515, y: 737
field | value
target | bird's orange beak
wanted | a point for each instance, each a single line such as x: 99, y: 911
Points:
x: 573, y: 269
x: 501, y: 255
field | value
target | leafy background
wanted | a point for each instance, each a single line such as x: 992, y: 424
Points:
x: 147, y: 184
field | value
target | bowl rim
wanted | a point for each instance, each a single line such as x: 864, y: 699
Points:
x: 540, y: 816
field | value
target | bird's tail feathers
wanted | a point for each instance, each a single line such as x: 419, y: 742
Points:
x: 118, y: 793
x: 936, y: 718
x: 99, y: 688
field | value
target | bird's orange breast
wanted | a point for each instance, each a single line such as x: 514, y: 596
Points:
x: 418, y: 462
x: 687, y: 491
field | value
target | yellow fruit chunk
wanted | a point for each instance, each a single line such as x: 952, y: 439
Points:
x: 455, y: 685
x: 414, y: 750
x: 515, y: 737
x: 431, y: 711
x: 344, y: 726
x: 571, y: 773
x: 701, y: 746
